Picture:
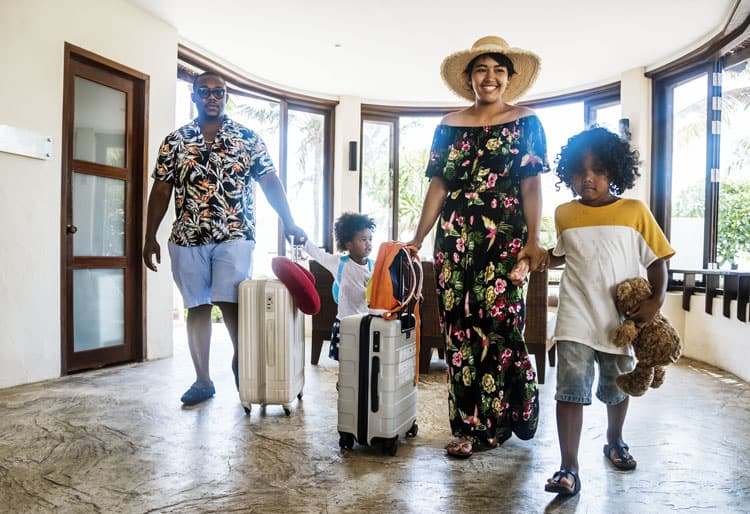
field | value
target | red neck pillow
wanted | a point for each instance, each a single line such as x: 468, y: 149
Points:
x: 300, y: 283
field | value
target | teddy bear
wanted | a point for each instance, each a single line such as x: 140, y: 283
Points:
x: 655, y: 344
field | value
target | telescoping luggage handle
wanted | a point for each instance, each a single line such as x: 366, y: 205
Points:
x: 406, y: 281
x: 410, y: 278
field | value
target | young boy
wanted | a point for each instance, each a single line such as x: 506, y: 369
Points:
x: 602, y: 239
x: 351, y: 272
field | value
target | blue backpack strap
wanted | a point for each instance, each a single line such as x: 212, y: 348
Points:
x: 337, y: 280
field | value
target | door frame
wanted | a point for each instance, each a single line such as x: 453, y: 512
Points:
x: 137, y: 187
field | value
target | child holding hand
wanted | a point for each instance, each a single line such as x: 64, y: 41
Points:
x: 350, y: 271
x: 602, y: 240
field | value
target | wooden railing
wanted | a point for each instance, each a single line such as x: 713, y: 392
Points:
x: 730, y: 285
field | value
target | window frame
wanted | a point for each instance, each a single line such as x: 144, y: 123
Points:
x: 592, y: 99
x: 191, y: 62
x: 661, y: 148
x: 392, y: 115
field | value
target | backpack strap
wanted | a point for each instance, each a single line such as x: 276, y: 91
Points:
x: 335, y: 288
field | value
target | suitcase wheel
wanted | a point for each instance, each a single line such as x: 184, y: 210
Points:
x: 247, y: 408
x: 299, y: 396
x: 412, y: 432
x: 346, y: 441
x: 287, y: 410
x: 390, y: 446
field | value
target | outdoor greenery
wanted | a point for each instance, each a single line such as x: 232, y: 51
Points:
x: 733, y: 243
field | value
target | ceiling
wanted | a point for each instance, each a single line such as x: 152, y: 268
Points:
x: 389, y: 51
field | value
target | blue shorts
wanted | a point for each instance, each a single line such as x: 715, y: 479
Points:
x: 575, y: 373
x: 211, y: 273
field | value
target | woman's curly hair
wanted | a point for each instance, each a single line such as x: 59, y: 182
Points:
x: 610, y: 153
x: 347, y: 225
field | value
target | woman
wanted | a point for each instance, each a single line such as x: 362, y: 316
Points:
x: 484, y: 185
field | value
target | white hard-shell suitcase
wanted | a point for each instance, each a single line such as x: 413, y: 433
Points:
x: 377, y: 398
x: 271, y: 345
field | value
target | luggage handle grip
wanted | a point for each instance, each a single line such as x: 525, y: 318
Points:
x: 374, y: 373
x: 270, y: 337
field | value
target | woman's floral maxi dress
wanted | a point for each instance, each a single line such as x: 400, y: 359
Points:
x: 493, y: 389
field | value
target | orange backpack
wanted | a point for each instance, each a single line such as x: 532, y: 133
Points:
x: 395, y: 287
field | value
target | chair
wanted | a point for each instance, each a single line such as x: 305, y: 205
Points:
x: 538, y: 323
x: 323, y: 320
x: 430, y: 334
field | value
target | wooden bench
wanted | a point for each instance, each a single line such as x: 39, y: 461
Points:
x: 539, y: 323
x: 430, y: 335
x: 323, y: 320
x: 538, y: 331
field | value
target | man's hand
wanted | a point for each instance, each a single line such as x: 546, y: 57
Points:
x: 295, y: 234
x: 151, y: 248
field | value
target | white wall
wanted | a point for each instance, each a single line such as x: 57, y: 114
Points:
x: 32, y: 36
x: 345, y: 182
x: 711, y: 338
x: 635, y: 101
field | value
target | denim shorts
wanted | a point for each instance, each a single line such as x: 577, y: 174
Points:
x: 575, y: 373
x: 212, y: 272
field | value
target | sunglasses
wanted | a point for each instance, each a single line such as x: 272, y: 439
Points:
x: 205, y: 92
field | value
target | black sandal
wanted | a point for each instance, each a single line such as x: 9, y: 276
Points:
x: 460, y: 449
x: 626, y: 461
x: 559, y: 488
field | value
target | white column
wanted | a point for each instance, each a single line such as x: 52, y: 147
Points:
x: 346, y: 182
x: 635, y: 99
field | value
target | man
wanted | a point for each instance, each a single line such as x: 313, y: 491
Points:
x: 210, y: 163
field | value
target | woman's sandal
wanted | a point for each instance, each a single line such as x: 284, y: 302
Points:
x: 624, y: 461
x: 554, y: 485
x: 460, y: 448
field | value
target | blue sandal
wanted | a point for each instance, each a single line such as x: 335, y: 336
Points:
x: 558, y: 487
x: 625, y: 461
x: 198, y: 392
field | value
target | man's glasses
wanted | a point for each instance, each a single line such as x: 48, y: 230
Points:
x: 205, y: 92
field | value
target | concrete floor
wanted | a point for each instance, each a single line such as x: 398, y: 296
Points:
x: 117, y: 440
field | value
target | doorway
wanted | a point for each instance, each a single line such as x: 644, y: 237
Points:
x: 103, y: 178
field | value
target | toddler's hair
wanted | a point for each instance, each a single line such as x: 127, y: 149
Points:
x: 610, y: 153
x: 347, y: 225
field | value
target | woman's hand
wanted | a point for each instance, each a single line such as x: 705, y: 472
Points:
x: 538, y: 257
x: 416, y: 243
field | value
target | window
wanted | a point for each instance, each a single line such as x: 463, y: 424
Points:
x: 733, y: 241
x: 297, y: 132
x: 560, y: 122
x: 395, y: 151
x: 701, y: 178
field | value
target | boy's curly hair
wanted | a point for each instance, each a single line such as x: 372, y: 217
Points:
x: 347, y: 225
x: 611, y: 154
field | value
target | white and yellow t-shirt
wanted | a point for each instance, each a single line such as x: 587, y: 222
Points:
x: 602, y: 247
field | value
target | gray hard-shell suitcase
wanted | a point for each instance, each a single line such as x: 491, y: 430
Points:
x: 377, y: 398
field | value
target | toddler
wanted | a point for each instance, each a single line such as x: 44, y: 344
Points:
x: 351, y: 271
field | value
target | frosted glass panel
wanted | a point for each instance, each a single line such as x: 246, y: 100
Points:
x: 99, y: 215
x: 99, y: 124
x: 98, y: 308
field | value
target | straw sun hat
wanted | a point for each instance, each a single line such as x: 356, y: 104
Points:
x: 526, y: 64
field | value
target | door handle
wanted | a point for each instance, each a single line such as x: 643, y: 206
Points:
x: 71, y: 229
